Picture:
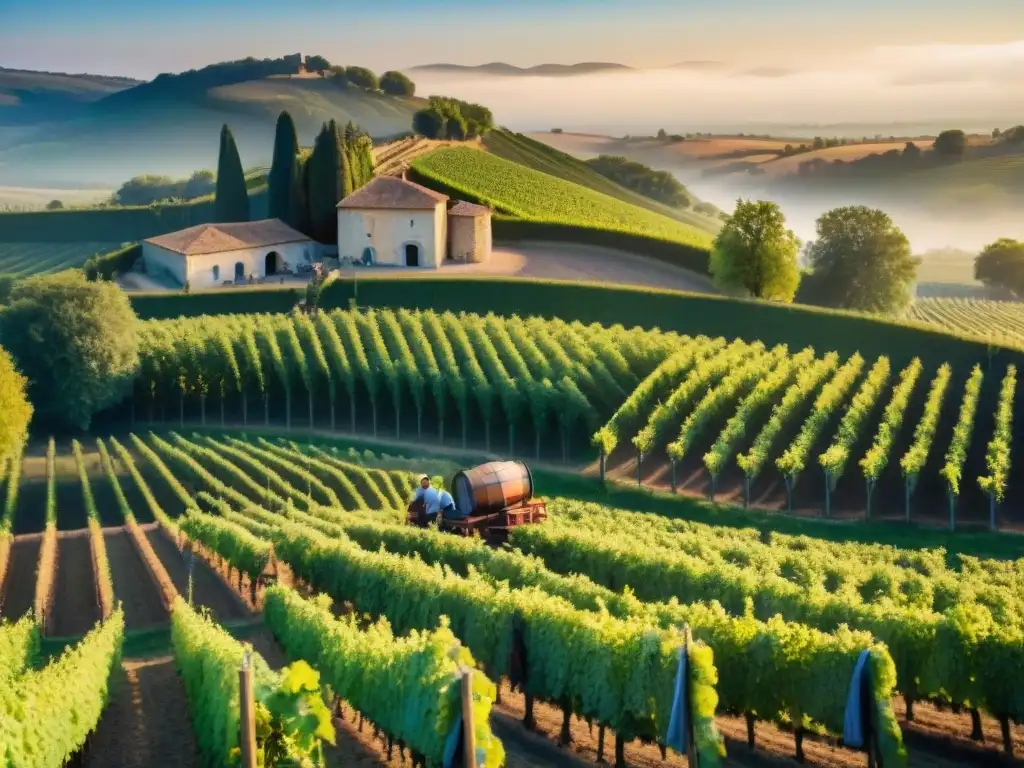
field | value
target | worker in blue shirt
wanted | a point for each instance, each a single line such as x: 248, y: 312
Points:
x: 435, y: 501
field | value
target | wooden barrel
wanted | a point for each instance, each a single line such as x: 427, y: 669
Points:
x: 491, y: 487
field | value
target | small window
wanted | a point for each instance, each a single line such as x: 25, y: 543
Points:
x: 216, y: 274
x: 411, y: 222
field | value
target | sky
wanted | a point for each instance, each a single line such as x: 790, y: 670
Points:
x: 142, y: 39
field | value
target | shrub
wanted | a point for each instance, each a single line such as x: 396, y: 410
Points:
x: 107, y: 266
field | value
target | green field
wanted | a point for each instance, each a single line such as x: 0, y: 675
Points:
x: 530, y: 195
x: 540, y: 157
x: 998, y: 321
x: 25, y: 259
x: 981, y: 185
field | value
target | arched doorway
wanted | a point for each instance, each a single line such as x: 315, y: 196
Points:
x: 367, y: 256
x: 239, y: 271
x: 412, y: 255
x: 272, y: 263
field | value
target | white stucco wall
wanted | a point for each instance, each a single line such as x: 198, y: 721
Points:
x: 162, y: 263
x: 389, y: 231
x: 199, y: 270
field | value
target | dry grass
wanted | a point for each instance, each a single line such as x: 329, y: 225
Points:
x: 34, y: 197
x: 717, y: 162
x: 717, y: 147
x: 391, y: 159
x: 846, y: 153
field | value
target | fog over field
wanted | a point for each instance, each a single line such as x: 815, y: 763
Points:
x: 899, y: 91
x: 923, y: 88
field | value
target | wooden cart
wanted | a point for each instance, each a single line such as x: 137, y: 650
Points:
x: 494, y: 498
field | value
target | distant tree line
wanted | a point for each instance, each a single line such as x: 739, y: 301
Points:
x: 445, y: 118
x: 305, y: 186
x: 661, y: 186
x: 149, y: 189
x: 950, y: 146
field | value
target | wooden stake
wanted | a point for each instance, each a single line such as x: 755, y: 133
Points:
x: 468, y: 731
x: 691, y: 748
x: 248, y: 713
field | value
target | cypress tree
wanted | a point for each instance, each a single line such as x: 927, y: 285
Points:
x: 326, y: 183
x: 367, y: 164
x: 231, y: 201
x: 348, y: 178
x: 299, y: 212
x: 283, y: 171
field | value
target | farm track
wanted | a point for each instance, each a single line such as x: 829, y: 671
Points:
x: 103, y: 494
x: 30, y: 516
x: 133, y: 585
x: 75, y: 608
x: 946, y: 733
x: 19, y: 587
x: 71, y: 514
x: 146, y: 721
x: 208, y: 588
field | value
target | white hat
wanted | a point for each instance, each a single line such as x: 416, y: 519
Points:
x: 422, y: 478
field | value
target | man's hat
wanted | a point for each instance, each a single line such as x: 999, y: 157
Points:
x: 422, y: 478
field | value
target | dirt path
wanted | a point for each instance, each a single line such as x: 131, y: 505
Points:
x: 19, y: 587
x: 774, y: 747
x: 133, y: 585
x: 75, y: 608
x: 539, y: 260
x: 208, y: 588
x: 146, y: 721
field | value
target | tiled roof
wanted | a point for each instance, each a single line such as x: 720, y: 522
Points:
x: 393, y: 192
x: 462, y: 208
x: 218, y: 238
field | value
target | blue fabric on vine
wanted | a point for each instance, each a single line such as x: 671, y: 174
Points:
x: 452, y: 753
x: 676, y: 736
x: 853, y: 722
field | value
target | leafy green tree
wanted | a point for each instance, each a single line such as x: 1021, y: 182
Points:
x: 1001, y: 265
x: 231, y: 201
x: 317, y: 64
x: 75, y: 341
x: 283, y: 170
x: 362, y: 78
x: 755, y: 251
x: 430, y: 123
x: 54, y: 205
x: 15, y: 409
x: 397, y: 84
x: 950, y: 143
x: 861, y: 260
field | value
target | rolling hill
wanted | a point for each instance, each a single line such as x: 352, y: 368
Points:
x: 134, y: 133
x: 973, y: 184
x: 28, y: 97
x: 532, y: 205
x: 546, y: 159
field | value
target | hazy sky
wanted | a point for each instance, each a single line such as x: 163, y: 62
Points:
x: 142, y: 38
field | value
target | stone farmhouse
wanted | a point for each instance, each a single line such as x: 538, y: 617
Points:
x: 389, y: 222
x: 209, y: 255
x: 395, y: 222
